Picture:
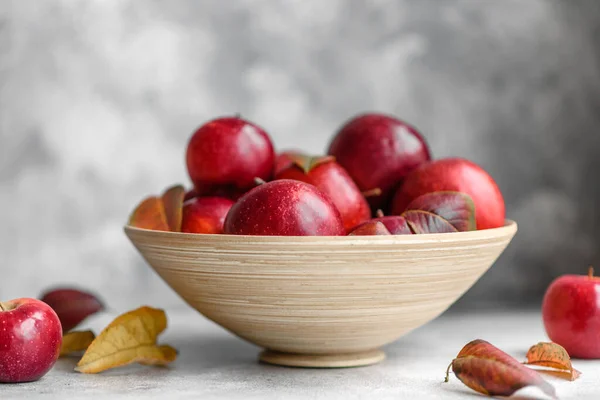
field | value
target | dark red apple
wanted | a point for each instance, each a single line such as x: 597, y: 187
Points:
x: 458, y: 175
x: 227, y: 154
x: 333, y: 180
x: 284, y: 208
x: 205, y: 214
x: 72, y: 306
x: 30, y: 340
x: 378, y: 151
x: 571, y: 313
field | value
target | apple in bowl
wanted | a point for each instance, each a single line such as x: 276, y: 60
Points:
x: 297, y: 264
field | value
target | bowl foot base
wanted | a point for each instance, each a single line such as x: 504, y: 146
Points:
x: 322, y: 360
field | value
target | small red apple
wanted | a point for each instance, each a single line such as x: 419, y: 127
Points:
x: 284, y: 208
x: 571, y: 313
x: 72, y: 306
x: 333, y: 180
x: 378, y: 151
x: 227, y: 154
x: 205, y: 214
x: 459, y: 175
x: 30, y: 340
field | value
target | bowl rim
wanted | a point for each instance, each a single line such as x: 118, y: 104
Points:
x: 508, y: 230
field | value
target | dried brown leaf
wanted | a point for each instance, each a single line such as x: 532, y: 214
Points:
x: 490, y: 371
x: 552, y: 355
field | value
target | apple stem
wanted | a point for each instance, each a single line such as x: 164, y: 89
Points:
x: 379, y: 213
x: 591, y: 272
x: 447, y: 379
x: 372, y: 193
x: 259, y: 181
x: 238, y: 115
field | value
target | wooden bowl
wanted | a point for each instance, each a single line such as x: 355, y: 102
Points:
x: 318, y: 301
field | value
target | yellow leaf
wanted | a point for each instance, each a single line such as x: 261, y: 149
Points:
x: 157, y: 355
x: 76, y: 341
x: 130, y: 338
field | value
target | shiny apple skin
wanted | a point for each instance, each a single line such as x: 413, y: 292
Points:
x: 227, y: 154
x: 571, y: 314
x: 205, y: 215
x: 459, y: 175
x: 334, y: 181
x: 378, y: 151
x: 284, y: 208
x: 30, y: 340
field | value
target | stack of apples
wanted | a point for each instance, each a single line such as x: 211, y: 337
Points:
x: 377, y: 178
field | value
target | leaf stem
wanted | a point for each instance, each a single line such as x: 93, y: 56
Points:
x: 448, y: 372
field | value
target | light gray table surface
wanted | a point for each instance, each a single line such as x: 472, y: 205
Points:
x: 213, y: 364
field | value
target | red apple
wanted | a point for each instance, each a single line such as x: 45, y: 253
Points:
x: 284, y: 208
x: 459, y: 175
x: 571, y: 313
x: 378, y: 151
x: 30, y: 340
x: 333, y: 180
x: 205, y: 214
x: 227, y: 154
x: 72, y: 306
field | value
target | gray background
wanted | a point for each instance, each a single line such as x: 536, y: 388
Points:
x: 98, y: 99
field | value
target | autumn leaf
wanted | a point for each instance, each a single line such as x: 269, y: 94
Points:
x: 130, y: 338
x: 284, y: 159
x: 307, y: 163
x: 370, y: 228
x: 76, y: 341
x: 552, y: 355
x: 150, y: 214
x: 427, y: 222
x: 455, y: 207
x: 490, y: 371
x: 172, y: 200
x: 72, y: 305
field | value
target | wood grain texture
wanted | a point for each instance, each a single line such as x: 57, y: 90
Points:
x: 321, y: 295
x: 358, y: 359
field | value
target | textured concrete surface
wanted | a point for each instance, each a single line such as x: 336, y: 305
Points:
x: 213, y: 364
x: 98, y: 99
